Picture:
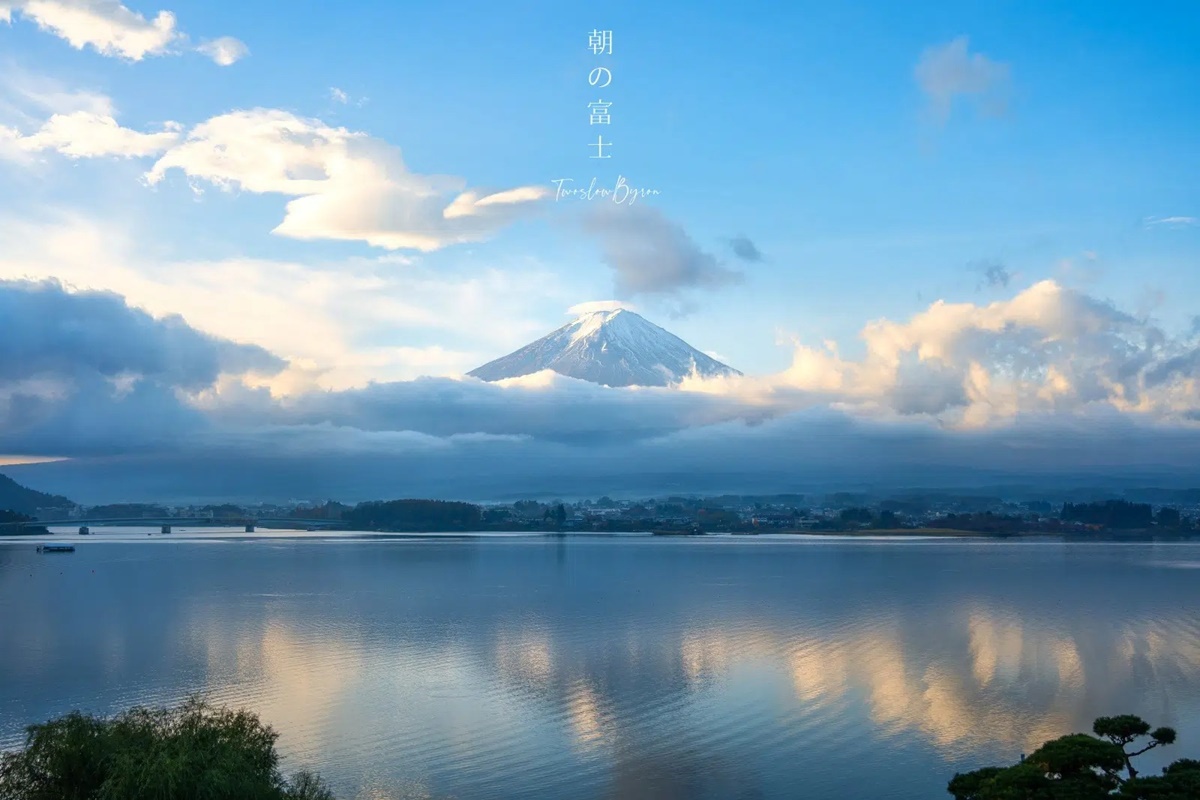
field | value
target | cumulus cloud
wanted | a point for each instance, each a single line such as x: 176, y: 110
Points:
x: 649, y: 254
x: 51, y: 331
x: 745, y: 249
x: 81, y: 124
x: 1049, y: 349
x: 339, y: 323
x: 106, y: 25
x: 87, y: 134
x: 224, y: 51
x: 112, y: 29
x: 950, y: 71
x: 1048, y: 380
x: 84, y: 373
x: 345, y: 185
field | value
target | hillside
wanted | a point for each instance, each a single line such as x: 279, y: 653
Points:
x: 15, y: 497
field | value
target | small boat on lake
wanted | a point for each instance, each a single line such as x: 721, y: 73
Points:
x: 56, y: 548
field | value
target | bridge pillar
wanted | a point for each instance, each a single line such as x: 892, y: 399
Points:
x: 166, y: 528
x: 83, y: 530
x: 250, y: 528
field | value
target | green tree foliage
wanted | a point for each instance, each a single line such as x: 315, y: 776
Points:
x: 983, y: 522
x: 415, y: 515
x: 27, y: 501
x: 1080, y: 766
x: 191, y: 752
x: 7, y: 516
x: 1110, y: 514
x: 528, y: 508
x: 856, y: 515
x: 1180, y: 781
x: 127, y: 511
x: 1168, y: 517
x: 225, y: 510
x: 887, y: 520
x: 331, y: 510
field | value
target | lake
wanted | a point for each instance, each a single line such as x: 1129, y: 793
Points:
x: 613, y: 667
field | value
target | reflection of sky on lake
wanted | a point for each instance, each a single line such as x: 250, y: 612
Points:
x: 614, y: 668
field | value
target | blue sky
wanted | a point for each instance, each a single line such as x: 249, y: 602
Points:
x: 803, y: 129
x: 881, y: 157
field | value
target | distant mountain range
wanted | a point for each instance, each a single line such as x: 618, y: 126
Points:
x: 15, y: 497
x: 613, y: 348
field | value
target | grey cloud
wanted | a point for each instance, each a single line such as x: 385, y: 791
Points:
x: 745, y: 249
x: 1185, y: 363
x: 570, y: 412
x: 948, y: 72
x: 650, y: 254
x: 47, y: 330
x: 816, y: 450
x: 91, y: 419
x: 83, y: 373
x: 927, y: 388
x: 995, y: 274
x: 475, y: 440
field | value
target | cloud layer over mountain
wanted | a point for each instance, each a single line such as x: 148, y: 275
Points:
x: 1051, y: 381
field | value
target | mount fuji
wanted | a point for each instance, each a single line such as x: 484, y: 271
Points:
x: 612, y: 347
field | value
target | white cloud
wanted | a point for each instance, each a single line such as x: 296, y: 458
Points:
x: 1064, y: 382
x: 339, y: 324
x: 1049, y: 349
x: 346, y: 185
x: 225, y: 50
x: 106, y: 25
x: 1172, y: 222
x: 81, y: 124
x: 579, y: 309
x: 344, y: 98
x: 112, y: 29
x: 947, y: 72
x: 84, y: 134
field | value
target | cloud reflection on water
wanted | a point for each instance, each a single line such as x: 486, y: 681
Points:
x: 604, y: 669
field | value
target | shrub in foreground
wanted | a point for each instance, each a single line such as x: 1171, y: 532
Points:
x: 190, y: 752
x: 1086, y: 767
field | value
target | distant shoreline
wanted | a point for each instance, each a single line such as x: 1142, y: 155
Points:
x: 1096, y: 537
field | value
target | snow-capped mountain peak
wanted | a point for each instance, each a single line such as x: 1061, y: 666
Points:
x: 614, y: 347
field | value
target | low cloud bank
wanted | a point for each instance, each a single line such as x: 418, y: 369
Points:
x: 1047, y: 384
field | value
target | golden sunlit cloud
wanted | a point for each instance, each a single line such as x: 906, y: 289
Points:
x: 14, y: 460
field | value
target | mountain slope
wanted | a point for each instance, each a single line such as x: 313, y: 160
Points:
x: 614, y: 348
x: 15, y: 497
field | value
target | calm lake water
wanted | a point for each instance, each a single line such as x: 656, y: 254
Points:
x: 628, y: 667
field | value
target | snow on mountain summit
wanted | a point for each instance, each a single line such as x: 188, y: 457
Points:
x: 613, y: 347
